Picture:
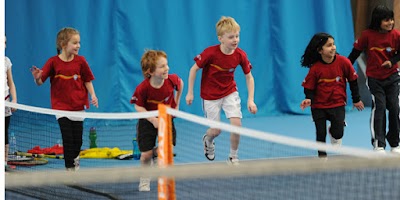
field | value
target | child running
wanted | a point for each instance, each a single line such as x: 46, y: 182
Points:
x: 71, y: 81
x: 325, y: 87
x: 158, y: 87
x: 381, y: 43
x: 218, y: 87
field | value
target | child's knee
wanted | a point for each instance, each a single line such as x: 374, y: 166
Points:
x: 214, y: 131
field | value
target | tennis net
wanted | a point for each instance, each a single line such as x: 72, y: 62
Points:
x: 272, y: 166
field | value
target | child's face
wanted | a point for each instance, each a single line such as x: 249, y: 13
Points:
x: 161, y: 71
x: 73, y: 45
x: 387, y: 24
x: 329, y: 49
x: 230, y: 40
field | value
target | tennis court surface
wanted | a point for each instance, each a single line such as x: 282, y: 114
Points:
x: 274, y: 165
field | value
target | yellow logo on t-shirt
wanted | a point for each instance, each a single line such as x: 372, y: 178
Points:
x: 75, y: 76
x: 329, y: 80
x: 219, y: 68
x: 388, y: 49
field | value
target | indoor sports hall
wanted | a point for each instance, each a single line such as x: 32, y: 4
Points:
x: 277, y: 151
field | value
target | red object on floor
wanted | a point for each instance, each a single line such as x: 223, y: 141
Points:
x: 54, y: 150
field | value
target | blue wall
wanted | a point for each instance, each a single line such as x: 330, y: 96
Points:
x: 114, y: 35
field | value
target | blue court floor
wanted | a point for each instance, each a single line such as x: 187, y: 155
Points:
x: 356, y: 134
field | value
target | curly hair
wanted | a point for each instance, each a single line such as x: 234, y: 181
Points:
x: 149, y: 61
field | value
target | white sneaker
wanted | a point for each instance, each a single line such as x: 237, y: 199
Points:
x: 76, y: 163
x: 209, y: 150
x: 233, y: 161
x: 380, y: 150
x: 71, y: 169
x: 144, y: 185
x: 334, y: 142
x: 323, y: 158
x: 396, y: 150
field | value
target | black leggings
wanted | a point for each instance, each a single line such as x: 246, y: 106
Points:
x: 335, y: 116
x: 71, y: 132
x: 385, y: 96
x: 6, y: 125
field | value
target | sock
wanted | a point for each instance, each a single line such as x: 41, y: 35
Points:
x: 233, y: 153
x: 209, y: 140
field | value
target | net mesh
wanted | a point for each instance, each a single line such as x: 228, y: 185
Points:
x: 37, y: 130
x: 272, y: 166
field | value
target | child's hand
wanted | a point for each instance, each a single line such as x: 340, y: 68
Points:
x: 359, y: 105
x: 305, y: 103
x: 387, y: 64
x: 95, y: 101
x: 252, y: 107
x: 189, y: 99
x: 36, y: 72
x: 14, y: 109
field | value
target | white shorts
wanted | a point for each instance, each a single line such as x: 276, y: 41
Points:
x: 230, y: 104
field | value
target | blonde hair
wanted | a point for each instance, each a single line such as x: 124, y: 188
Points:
x: 225, y: 25
x: 63, y: 36
x: 149, y: 61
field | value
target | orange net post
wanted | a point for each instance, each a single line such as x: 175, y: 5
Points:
x: 166, y: 185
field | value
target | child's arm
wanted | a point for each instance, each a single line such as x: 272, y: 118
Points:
x: 37, y: 74
x: 13, y: 89
x: 355, y: 95
x: 251, y: 106
x: 389, y: 63
x: 354, y: 55
x: 90, y: 88
x: 179, y: 94
x: 309, y: 96
x: 153, y: 120
x: 192, y: 78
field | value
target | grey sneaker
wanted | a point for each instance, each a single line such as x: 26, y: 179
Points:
x: 209, y: 151
x: 233, y: 161
x: 76, y: 163
x: 71, y: 169
x: 144, y: 185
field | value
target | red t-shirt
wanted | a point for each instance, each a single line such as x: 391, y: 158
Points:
x: 329, y: 82
x: 379, y: 48
x: 217, y: 80
x: 149, y: 97
x: 68, y: 91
